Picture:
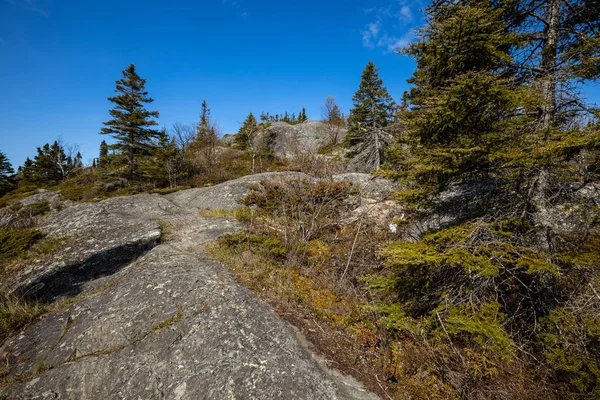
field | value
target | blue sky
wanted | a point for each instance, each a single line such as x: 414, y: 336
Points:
x: 59, y: 60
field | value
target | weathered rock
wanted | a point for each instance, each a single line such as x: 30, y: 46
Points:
x: 228, y: 139
x: 226, y: 195
x: 26, y: 212
x: 52, y: 197
x: 170, y: 324
x: 100, y: 239
x: 288, y: 141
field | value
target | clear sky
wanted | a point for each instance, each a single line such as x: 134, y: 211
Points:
x: 59, y: 60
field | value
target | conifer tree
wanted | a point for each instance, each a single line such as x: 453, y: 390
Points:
x: 206, y: 136
x: 458, y: 109
x: 247, y: 133
x: 369, y: 121
x: 132, y: 124
x: 51, y: 165
x: 164, y: 165
x: 103, y: 159
x: 246, y: 138
x: 6, y: 170
x: 302, y: 116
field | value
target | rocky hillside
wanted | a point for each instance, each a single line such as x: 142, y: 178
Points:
x: 288, y: 141
x: 141, y: 311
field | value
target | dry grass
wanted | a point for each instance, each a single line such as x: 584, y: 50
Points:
x: 16, y: 313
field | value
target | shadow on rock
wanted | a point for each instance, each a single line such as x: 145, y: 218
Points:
x: 68, y: 281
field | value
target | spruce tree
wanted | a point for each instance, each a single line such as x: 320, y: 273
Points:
x: 103, y: 159
x: 6, y: 170
x: 51, y: 165
x: 206, y: 136
x: 369, y: 121
x: 164, y: 165
x: 131, y: 123
x: 245, y: 136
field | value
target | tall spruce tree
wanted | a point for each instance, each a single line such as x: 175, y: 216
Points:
x: 131, y: 123
x: 369, y: 121
x: 6, y: 170
x: 461, y: 110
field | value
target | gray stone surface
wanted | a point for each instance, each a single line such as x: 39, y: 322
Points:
x: 169, y: 324
x: 100, y: 239
x: 226, y: 195
x: 288, y: 141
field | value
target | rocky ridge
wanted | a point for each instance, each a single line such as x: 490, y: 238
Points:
x: 148, y: 314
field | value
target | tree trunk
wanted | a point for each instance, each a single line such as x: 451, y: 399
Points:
x: 548, y: 64
x: 539, y: 198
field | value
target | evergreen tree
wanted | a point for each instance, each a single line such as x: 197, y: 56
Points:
x: 245, y: 136
x: 369, y: 121
x: 461, y: 108
x: 302, y: 116
x: 6, y: 170
x: 164, y: 165
x: 206, y: 136
x: 131, y: 123
x: 103, y: 159
x: 51, y: 165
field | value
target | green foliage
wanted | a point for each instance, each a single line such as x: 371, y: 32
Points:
x: 132, y: 124
x: 372, y: 104
x: 245, y: 136
x: 267, y: 118
x: 103, y: 159
x: 51, y: 165
x: 16, y: 242
x: 484, y: 326
x: 6, y: 170
x: 163, y: 165
x: 570, y: 339
x: 369, y: 133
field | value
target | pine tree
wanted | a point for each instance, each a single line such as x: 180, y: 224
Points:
x: 103, y: 159
x: 247, y: 133
x: 206, y: 136
x: 164, y: 165
x: 246, y: 138
x: 369, y: 121
x: 51, y: 165
x: 302, y: 116
x: 131, y: 123
x: 6, y: 170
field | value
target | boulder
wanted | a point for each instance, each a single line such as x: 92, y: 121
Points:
x: 288, y: 141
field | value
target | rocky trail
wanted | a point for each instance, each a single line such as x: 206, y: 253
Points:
x: 145, y: 318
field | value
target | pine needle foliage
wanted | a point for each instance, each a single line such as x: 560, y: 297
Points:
x: 132, y: 124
